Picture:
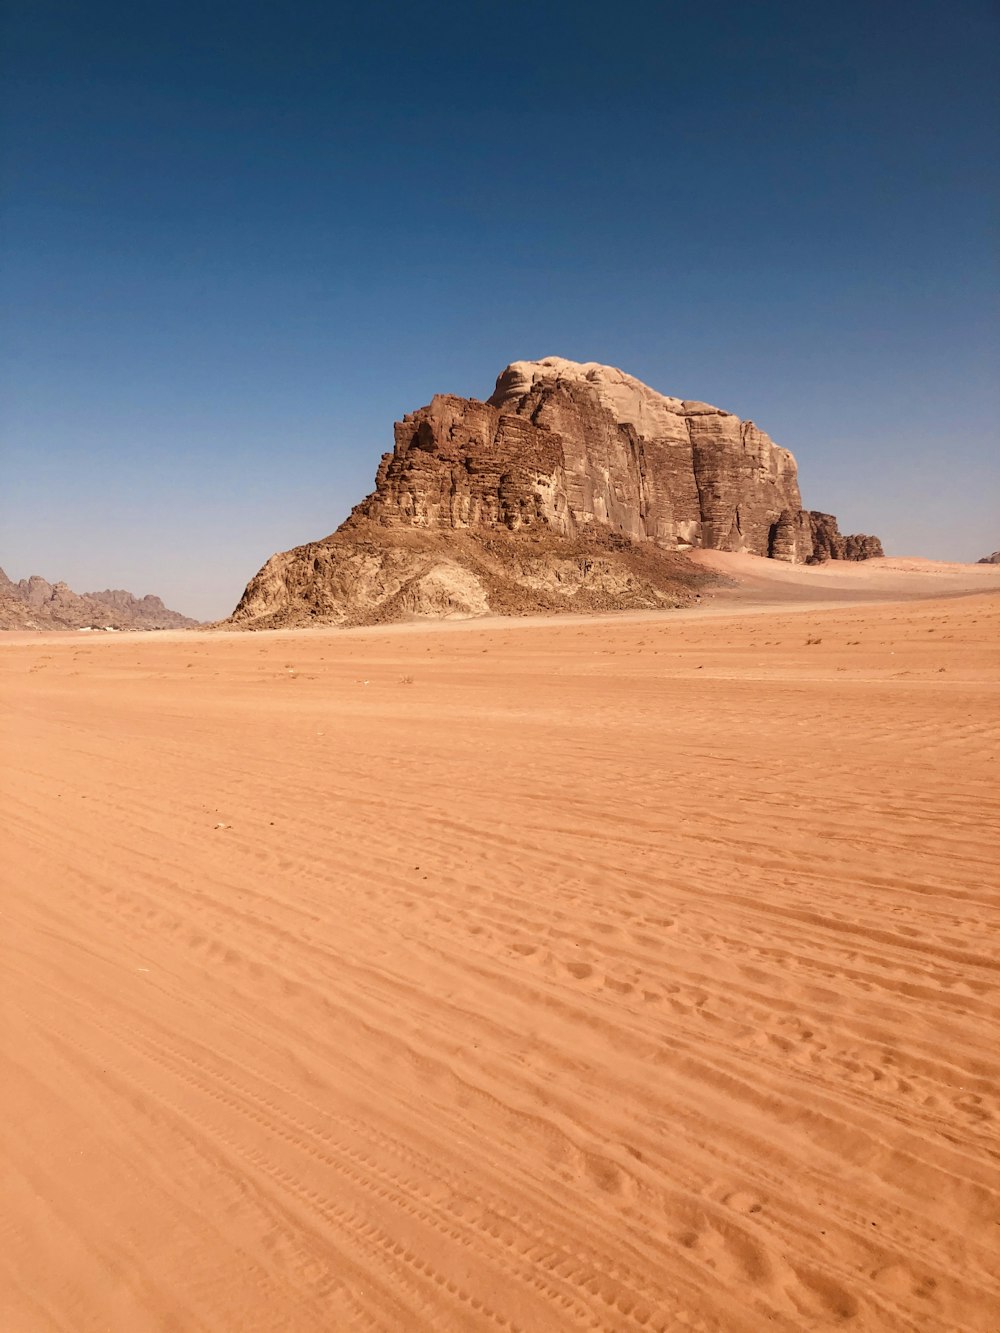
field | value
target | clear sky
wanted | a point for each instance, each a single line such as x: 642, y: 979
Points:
x: 241, y: 239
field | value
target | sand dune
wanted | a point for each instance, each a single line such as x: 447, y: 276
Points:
x: 624, y: 974
x: 773, y: 582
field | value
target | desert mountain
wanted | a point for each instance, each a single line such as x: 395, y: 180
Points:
x: 574, y: 486
x: 993, y: 559
x: 34, y: 603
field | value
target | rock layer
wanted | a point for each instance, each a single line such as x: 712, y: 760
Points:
x: 573, y: 455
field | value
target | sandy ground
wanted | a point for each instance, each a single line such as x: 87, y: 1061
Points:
x: 620, y: 974
x: 756, y: 579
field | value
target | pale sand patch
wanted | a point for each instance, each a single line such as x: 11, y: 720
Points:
x: 633, y: 973
x: 889, y: 577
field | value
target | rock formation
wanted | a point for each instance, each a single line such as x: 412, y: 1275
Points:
x: 34, y: 603
x: 829, y: 543
x: 572, y: 485
x: 993, y: 559
x: 574, y: 446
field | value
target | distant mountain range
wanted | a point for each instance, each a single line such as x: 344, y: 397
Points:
x: 34, y: 603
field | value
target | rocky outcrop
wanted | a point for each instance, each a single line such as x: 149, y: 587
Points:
x: 369, y: 575
x: 573, y: 447
x: 34, y: 603
x: 993, y: 559
x: 829, y: 543
x: 603, y: 478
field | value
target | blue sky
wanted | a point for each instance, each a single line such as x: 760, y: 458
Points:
x: 241, y: 239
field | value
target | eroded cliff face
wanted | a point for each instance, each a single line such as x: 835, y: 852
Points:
x: 829, y: 543
x: 598, y: 481
x: 459, y: 463
x: 575, y: 446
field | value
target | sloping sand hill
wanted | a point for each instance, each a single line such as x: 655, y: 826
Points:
x: 884, y: 578
x: 619, y: 974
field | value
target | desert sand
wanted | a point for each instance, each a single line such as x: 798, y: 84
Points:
x: 633, y: 973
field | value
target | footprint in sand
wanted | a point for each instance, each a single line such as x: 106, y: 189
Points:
x: 741, y: 1201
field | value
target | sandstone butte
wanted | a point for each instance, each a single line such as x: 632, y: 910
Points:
x: 573, y: 487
